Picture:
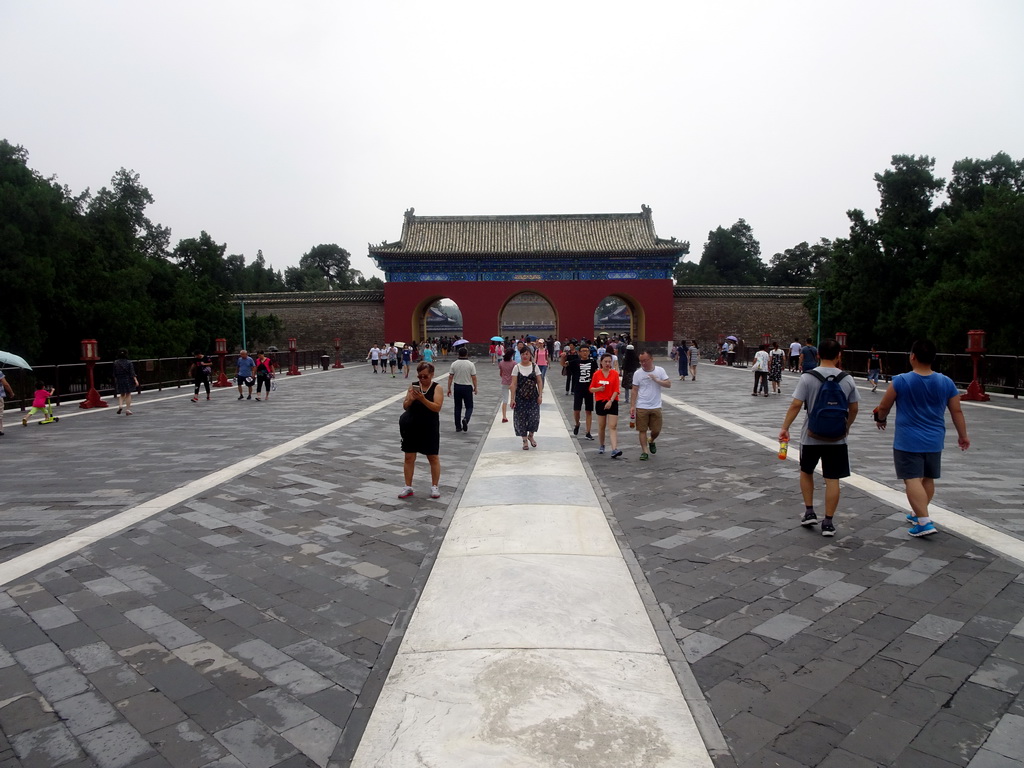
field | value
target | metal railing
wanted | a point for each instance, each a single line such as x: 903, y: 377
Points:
x: 998, y: 374
x: 71, y: 382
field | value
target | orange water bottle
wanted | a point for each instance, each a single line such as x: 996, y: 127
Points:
x: 783, y: 449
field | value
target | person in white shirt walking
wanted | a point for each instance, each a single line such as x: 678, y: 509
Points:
x: 648, y: 381
x: 463, y: 378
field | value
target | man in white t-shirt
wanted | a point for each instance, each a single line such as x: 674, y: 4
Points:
x: 648, y: 381
x: 794, y: 354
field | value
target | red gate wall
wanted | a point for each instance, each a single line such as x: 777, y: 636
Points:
x: 573, y: 301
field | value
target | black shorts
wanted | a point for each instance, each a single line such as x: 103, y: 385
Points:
x: 607, y: 407
x: 913, y: 466
x: 582, y: 396
x: 835, y: 460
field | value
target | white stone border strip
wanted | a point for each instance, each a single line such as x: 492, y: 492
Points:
x: 1001, y: 543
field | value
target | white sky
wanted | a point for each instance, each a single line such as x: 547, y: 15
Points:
x: 281, y: 125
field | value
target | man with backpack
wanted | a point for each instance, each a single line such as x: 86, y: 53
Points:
x: 830, y: 397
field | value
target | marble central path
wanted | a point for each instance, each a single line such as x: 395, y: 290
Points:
x: 531, y: 645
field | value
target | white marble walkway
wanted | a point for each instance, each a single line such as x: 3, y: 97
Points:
x: 531, y: 647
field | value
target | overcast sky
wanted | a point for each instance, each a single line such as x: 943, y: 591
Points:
x: 281, y: 125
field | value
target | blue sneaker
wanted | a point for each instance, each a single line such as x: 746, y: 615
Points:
x: 912, y: 519
x: 600, y: 449
x: 923, y: 530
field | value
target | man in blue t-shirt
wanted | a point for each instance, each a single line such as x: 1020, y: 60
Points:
x: 808, y: 357
x: 922, y: 398
x: 245, y: 374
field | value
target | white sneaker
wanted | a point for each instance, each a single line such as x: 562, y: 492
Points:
x: 435, y: 492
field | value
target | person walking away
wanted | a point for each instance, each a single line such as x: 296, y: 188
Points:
x: 922, y: 398
x: 5, y: 391
x: 420, y: 428
x: 794, y: 354
x: 264, y: 374
x: 428, y: 354
x: 525, y: 397
x: 244, y: 373
x: 648, y: 380
x: 506, y: 368
x: 682, y: 358
x: 693, y: 352
x: 605, y: 386
x: 583, y: 372
x: 201, y: 369
x: 628, y: 366
x: 462, y: 376
x: 808, y: 357
x: 777, y: 358
x: 761, y: 363
x: 832, y: 452
x: 125, y: 381
x: 874, y: 368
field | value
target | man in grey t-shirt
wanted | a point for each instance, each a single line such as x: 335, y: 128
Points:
x: 833, y: 454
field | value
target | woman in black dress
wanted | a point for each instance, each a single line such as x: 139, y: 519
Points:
x: 125, y: 381
x: 420, y: 427
x: 525, y: 398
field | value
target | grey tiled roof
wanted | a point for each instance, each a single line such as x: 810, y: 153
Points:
x: 587, y: 233
x: 741, y: 291
x: 307, y: 297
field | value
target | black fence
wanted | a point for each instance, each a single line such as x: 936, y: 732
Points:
x: 71, y: 380
x: 998, y: 374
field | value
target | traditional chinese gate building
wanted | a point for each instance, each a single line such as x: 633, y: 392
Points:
x: 573, y: 261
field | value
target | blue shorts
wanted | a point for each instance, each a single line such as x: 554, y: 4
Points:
x: 914, y: 466
x: 873, y: 374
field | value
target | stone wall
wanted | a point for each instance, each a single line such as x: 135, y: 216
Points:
x: 707, y: 313
x: 316, y: 318
x: 700, y: 312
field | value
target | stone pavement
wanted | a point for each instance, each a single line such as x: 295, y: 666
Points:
x: 253, y: 623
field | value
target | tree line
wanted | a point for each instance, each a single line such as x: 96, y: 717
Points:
x: 93, y: 265
x: 939, y: 258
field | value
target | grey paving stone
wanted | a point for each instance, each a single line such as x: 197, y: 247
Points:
x: 118, y: 682
x: 985, y: 758
x: 935, y: 627
x: 880, y: 738
x: 783, y: 626
x: 968, y: 650
x: 116, y: 746
x: 44, y: 747
x: 747, y: 735
x: 698, y: 645
x: 255, y: 745
x: 784, y: 703
x: 213, y: 710
x: 334, y: 703
x: 980, y: 703
x: 942, y: 674
x: 40, y: 658
x: 85, y: 712
x: 186, y: 745
x: 840, y: 758
x: 150, y: 711
x: 914, y: 703
x: 883, y: 675
x: 1002, y: 675
x: 278, y: 709
x: 71, y: 636
x: 61, y: 683
x: 297, y: 678
x: 1007, y: 738
x: 808, y: 741
x: 53, y: 616
x: 951, y: 738
x: 94, y: 657
x: 25, y: 713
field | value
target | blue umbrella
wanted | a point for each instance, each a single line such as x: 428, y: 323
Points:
x: 9, y: 358
x: 497, y: 338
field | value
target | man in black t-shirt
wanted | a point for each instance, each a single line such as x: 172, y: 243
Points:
x: 584, y: 369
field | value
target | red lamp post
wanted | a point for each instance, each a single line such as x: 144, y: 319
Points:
x: 976, y: 348
x: 222, y: 351
x: 90, y: 355
x: 766, y: 339
x: 293, y: 347
x: 841, y: 339
x: 337, y: 353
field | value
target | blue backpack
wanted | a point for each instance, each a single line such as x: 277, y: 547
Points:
x: 827, y: 419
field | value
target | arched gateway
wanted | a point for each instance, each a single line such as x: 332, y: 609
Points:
x: 572, y: 261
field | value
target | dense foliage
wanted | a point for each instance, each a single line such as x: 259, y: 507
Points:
x: 940, y: 259
x: 94, y: 266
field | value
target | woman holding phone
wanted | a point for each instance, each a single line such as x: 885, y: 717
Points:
x: 420, y: 427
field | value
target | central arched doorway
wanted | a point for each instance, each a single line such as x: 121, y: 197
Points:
x: 527, y: 314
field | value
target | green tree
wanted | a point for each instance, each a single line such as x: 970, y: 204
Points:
x: 798, y: 265
x: 332, y: 263
x: 731, y: 257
